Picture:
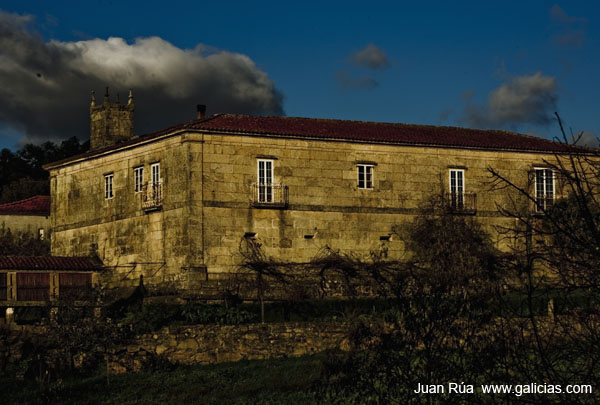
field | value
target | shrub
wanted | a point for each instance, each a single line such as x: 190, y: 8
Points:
x: 203, y: 314
x: 151, y: 317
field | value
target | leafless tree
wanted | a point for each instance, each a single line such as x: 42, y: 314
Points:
x: 555, y: 258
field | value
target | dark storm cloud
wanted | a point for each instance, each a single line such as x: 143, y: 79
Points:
x: 46, y: 86
x: 371, y: 57
x: 521, y: 100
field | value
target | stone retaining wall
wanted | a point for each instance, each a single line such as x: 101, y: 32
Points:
x: 204, y: 344
x: 17, y: 342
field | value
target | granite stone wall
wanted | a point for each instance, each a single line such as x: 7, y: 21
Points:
x: 26, y: 223
x: 207, y: 183
x: 206, y: 344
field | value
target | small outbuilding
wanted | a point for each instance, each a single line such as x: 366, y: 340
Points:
x: 31, y: 215
x: 27, y: 281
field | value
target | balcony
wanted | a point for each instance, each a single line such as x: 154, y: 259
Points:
x: 269, y: 195
x: 152, y: 196
x: 461, y: 203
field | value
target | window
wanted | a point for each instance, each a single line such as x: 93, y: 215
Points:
x: 265, y: 181
x: 155, y: 172
x: 41, y: 234
x: 108, y: 186
x: 544, y: 189
x: 365, y: 176
x: 152, y: 197
x: 138, y: 178
x: 457, y: 188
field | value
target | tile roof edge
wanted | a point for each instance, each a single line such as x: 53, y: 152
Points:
x: 26, y: 213
x: 23, y: 200
x: 53, y: 263
x: 381, y: 142
x: 128, y: 143
x: 189, y: 126
x: 8, y: 208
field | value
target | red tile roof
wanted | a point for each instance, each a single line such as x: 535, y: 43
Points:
x: 354, y: 131
x: 47, y: 263
x: 376, y: 132
x: 38, y: 205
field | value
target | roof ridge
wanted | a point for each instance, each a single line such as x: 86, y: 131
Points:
x: 481, y: 131
x: 383, y: 123
x: 334, y: 129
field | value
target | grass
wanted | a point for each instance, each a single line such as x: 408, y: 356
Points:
x: 275, y: 381
x: 515, y: 303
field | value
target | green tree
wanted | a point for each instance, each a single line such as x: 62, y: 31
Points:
x: 22, y: 174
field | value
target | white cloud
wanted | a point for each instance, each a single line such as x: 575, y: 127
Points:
x: 46, y: 85
x: 522, y: 100
x: 371, y: 57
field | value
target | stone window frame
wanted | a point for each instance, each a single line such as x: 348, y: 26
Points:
x: 152, y: 178
x: 138, y: 179
x: 540, y: 183
x: 264, y: 189
x: 457, y: 186
x: 109, y: 192
x: 366, y: 176
x: 457, y: 171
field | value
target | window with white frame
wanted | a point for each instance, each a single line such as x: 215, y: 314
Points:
x: 544, y: 189
x: 155, y: 173
x: 108, y: 186
x: 457, y: 188
x: 265, y: 180
x: 365, y: 176
x: 138, y: 179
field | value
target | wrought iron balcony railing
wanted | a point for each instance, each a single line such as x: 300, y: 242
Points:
x: 269, y: 195
x: 152, y: 196
x: 462, y: 203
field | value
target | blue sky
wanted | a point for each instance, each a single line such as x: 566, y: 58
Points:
x: 506, y: 65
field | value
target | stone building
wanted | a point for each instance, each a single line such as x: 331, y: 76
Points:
x: 174, y: 205
x: 31, y: 215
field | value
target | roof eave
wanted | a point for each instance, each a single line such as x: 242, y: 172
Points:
x: 110, y: 151
x: 409, y: 144
x: 26, y: 213
x: 141, y: 141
